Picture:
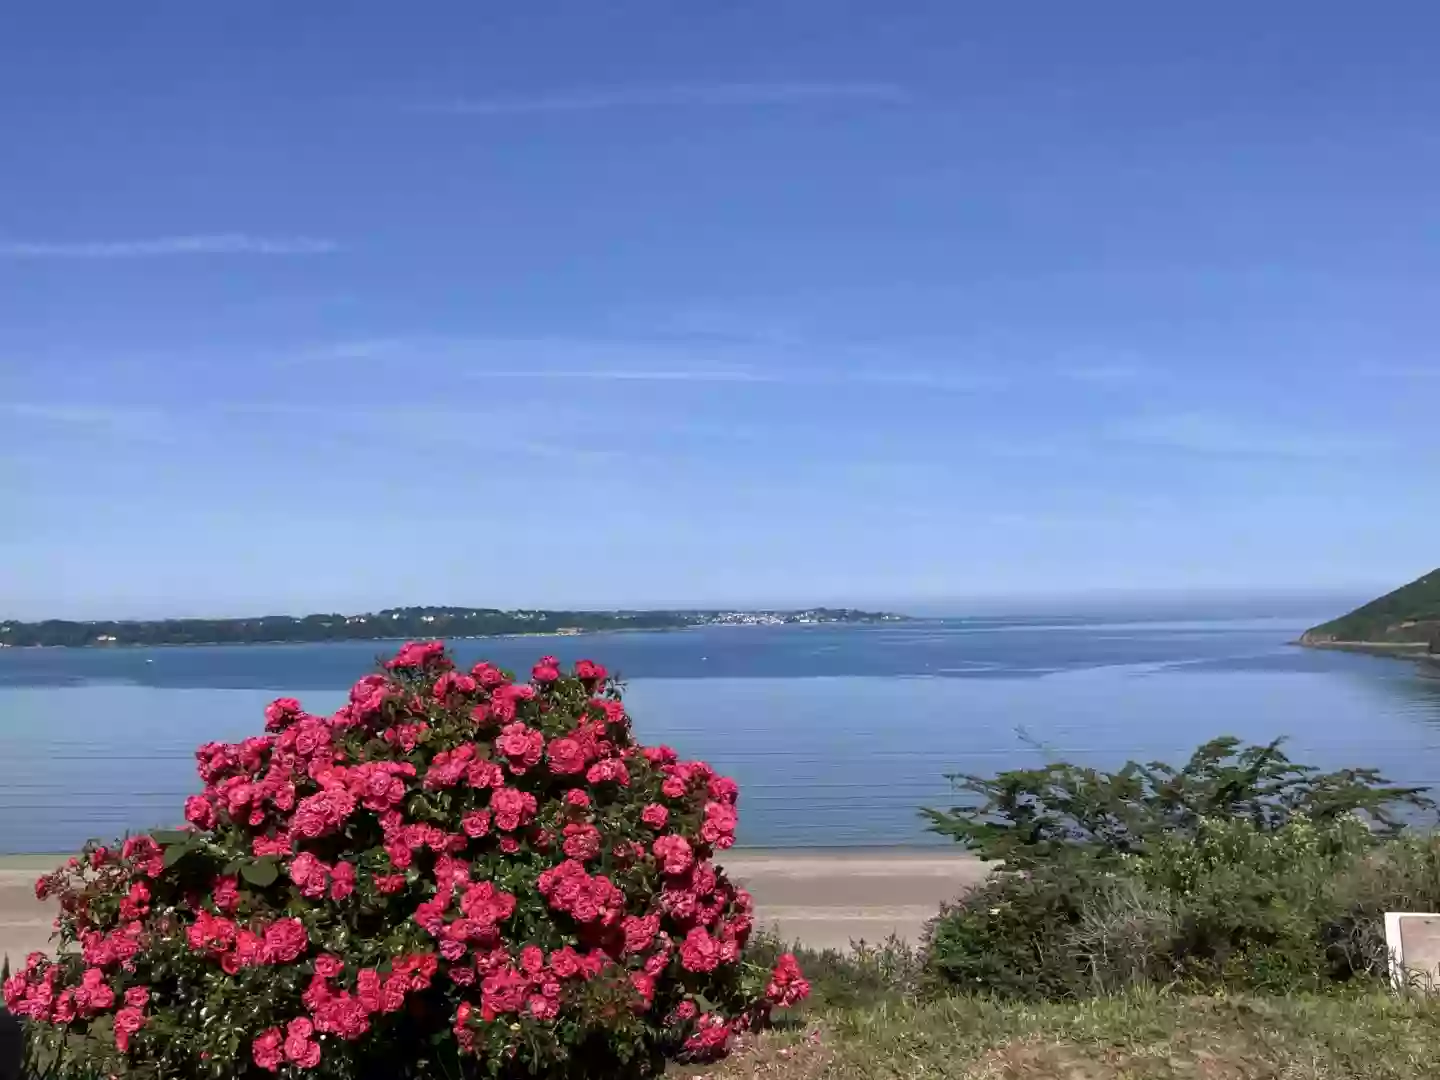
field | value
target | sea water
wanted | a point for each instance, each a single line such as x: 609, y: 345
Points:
x: 837, y: 734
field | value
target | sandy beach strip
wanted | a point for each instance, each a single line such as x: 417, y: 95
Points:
x: 825, y: 899
x: 24, y: 921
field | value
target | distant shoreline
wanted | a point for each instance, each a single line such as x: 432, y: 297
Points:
x: 1401, y: 650
x: 408, y: 624
x: 108, y: 646
x: 1426, y: 663
x: 117, y: 645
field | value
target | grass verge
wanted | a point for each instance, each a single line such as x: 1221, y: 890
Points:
x: 1141, y: 1035
x: 875, y: 1015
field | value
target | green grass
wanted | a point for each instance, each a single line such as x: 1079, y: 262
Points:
x: 1142, y: 1035
x: 873, y: 1015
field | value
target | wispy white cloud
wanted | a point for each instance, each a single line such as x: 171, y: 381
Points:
x: 698, y: 94
x: 1109, y: 375
x: 645, y: 361
x: 699, y: 375
x: 919, y: 380
x: 962, y: 382
x: 137, y: 422
x: 1202, y: 433
x: 496, y: 431
x: 359, y: 349
x: 162, y: 247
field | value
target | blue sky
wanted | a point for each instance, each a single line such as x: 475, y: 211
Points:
x: 332, y: 306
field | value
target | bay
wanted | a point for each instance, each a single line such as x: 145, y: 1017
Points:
x: 836, y: 734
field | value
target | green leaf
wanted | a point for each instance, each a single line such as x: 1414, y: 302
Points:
x: 261, y: 872
x: 166, y: 837
x: 704, y: 1003
x: 175, y: 852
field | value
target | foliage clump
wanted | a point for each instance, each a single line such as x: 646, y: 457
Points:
x: 455, y: 873
x: 1240, y: 869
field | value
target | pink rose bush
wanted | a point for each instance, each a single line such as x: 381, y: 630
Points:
x: 455, y: 873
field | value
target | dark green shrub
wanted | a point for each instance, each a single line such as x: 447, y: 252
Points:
x: 1252, y: 908
x: 1124, y: 936
x: 1239, y: 870
x: 1230, y: 906
x: 1401, y: 875
x: 1026, y: 816
x: 1011, y: 936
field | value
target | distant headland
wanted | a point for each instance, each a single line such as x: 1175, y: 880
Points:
x: 1405, y: 622
x: 408, y: 622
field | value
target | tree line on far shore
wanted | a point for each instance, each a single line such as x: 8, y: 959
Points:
x: 391, y: 623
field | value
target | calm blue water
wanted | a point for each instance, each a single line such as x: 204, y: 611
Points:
x: 836, y: 734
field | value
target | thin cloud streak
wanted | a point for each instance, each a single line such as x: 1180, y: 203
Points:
x: 1200, y: 433
x: 707, y: 95
x: 137, y: 422
x: 163, y: 247
x: 638, y: 376
x: 554, y: 359
x: 919, y: 380
x: 413, y: 426
x: 419, y: 426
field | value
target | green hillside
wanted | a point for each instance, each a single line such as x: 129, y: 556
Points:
x: 1409, y: 615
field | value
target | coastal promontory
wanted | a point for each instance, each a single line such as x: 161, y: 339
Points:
x: 1406, y: 620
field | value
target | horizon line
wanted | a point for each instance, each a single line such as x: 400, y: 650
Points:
x: 899, y: 605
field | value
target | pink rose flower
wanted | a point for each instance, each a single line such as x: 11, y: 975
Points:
x: 587, y: 671
x: 268, y: 1049
x: 639, y: 931
x: 512, y: 808
x: 609, y: 769
x: 200, y: 812
x: 128, y: 1021
x: 300, y: 1048
x: 567, y: 756
x: 673, y: 853
x: 389, y: 884
x: 342, y: 882
x: 787, y: 985
x: 281, y: 713
x: 285, y: 941
x: 582, y: 841
x: 522, y: 747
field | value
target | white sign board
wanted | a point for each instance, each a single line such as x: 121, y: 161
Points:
x: 1413, y: 938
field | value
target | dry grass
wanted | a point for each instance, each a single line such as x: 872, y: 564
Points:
x: 1136, y: 1036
